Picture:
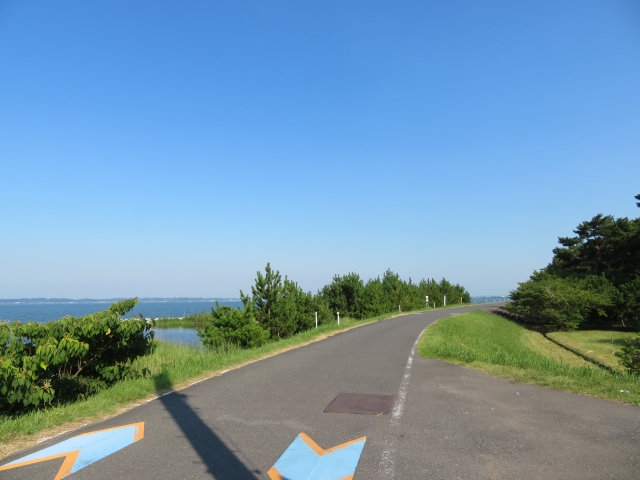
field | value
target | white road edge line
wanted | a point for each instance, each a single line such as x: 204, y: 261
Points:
x: 155, y: 398
x: 49, y: 438
x: 387, y: 469
x: 173, y: 391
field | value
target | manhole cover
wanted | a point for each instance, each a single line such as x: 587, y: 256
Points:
x: 361, y: 404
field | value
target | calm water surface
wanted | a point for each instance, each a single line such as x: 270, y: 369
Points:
x: 46, y: 312
x: 188, y: 336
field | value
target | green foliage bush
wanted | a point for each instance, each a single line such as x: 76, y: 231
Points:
x: 629, y: 356
x: 72, y: 357
x: 232, y: 327
x: 281, y: 307
x: 278, y: 308
x: 593, y: 278
x: 345, y: 294
x: 627, y: 307
x: 560, y: 302
x: 351, y: 296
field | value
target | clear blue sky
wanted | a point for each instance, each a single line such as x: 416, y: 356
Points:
x: 173, y: 148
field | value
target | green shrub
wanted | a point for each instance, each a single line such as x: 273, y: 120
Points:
x: 562, y: 303
x: 69, y: 358
x: 350, y: 296
x: 282, y: 308
x: 229, y: 326
x: 600, y: 264
x: 628, y: 304
x: 345, y: 294
x: 630, y: 356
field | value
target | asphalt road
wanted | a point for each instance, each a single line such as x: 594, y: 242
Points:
x: 448, y: 422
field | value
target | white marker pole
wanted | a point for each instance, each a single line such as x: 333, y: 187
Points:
x: 399, y: 309
x: 427, y: 301
x: 445, y: 301
x: 338, y: 317
x: 316, y: 319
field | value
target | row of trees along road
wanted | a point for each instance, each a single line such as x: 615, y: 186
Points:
x: 593, y: 279
x: 278, y: 308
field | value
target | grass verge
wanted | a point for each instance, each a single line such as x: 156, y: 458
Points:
x: 494, y: 345
x: 597, y: 345
x: 172, y: 367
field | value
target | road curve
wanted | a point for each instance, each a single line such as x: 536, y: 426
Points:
x: 453, y: 422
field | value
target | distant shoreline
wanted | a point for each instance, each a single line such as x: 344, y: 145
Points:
x: 55, y: 301
x: 49, y: 301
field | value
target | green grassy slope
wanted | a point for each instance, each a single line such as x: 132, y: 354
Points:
x: 497, y: 346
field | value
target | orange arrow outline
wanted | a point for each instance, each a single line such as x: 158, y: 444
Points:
x: 65, y: 468
x: 274, y: 474
x: 72, y: 456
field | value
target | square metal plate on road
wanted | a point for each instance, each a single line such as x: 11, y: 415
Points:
x: 361, y: 404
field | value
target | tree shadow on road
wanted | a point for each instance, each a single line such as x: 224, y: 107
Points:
x: 221, y: 462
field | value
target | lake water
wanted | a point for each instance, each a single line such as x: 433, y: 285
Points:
x: 496, y: 298
x: 187, y: 336
x: 46, y: 312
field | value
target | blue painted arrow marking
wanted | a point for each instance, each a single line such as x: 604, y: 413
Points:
x: 83, y: 450
x: 305, y: 460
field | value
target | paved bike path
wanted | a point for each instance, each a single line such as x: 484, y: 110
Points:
x: 237, y: 425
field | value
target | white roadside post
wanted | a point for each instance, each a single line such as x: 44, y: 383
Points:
x: 338, y: 317
x: 316, y: 319
x: 399, y: 309
x: 445, y: 301
x: 427, y: 301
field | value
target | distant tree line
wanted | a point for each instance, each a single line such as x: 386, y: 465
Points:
x: 593, y: 279
x: 278, y: 308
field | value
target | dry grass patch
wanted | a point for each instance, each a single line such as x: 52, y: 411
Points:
x: 599, y: 345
